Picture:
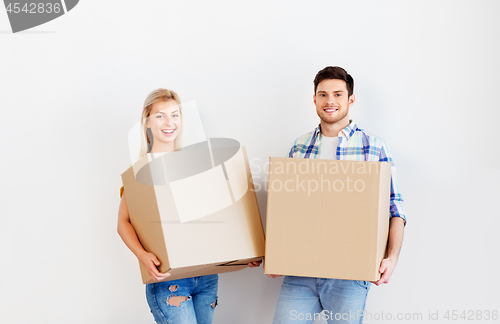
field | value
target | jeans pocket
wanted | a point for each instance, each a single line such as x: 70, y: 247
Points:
x: 362, y: 283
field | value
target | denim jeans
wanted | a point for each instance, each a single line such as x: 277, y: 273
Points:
x: 197, y: 306
x: 304, y: 299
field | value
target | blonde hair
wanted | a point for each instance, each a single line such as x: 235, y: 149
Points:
x: 156, y: 96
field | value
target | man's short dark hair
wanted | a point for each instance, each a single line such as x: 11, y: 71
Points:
x: 335, y: 72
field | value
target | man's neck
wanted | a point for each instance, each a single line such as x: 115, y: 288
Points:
x: 333, y: 130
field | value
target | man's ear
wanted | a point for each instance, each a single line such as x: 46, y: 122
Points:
x: 314, y: 98
x: 352, y: 99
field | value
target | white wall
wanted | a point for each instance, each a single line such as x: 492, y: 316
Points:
x: 426, y: 73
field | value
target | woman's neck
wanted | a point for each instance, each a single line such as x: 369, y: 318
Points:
x: 162, y: 147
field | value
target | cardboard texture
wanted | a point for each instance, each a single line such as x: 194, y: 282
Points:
x: 327, y: 218
x: 196, y: 210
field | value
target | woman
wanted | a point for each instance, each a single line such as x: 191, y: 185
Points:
x: 189, y: 300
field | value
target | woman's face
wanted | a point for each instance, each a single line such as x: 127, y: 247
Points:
x: 165, y: 123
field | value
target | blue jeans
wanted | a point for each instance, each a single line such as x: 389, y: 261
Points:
x: 304, y: 299
x: 183, y: 301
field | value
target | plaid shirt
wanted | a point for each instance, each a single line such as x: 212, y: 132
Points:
x: 354, y: 144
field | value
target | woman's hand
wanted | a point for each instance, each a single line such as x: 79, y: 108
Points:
x: 255, y: 264
x: 151, y: 262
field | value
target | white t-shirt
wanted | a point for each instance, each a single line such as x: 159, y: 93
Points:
x: 328, y: 147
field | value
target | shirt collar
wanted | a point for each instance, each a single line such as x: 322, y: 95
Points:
x: 347, y: 132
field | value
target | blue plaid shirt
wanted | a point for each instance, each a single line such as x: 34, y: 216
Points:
x: 354, y: 144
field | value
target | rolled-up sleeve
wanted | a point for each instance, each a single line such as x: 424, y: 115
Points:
x: 396, y: 205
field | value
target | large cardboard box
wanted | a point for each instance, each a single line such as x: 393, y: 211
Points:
x: 327, y: 218
x: 195, y: 209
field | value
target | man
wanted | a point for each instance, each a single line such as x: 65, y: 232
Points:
x: 338, y: 137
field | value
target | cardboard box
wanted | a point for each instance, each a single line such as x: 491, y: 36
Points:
x: 327, y: 218
x: 195, y: 209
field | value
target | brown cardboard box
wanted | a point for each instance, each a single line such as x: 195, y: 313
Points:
x: 327, y: 218
x: 196, y: 210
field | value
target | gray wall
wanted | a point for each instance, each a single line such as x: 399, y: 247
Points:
x: 426, y: 76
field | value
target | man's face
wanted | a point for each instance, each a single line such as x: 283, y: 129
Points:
x: 332, y: 101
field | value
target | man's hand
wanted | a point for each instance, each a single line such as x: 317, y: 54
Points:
x: 386, y: 268
x: 396, y: 233
x: 151, y: 262
x: 255, y: 264
x: 271, y: 275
